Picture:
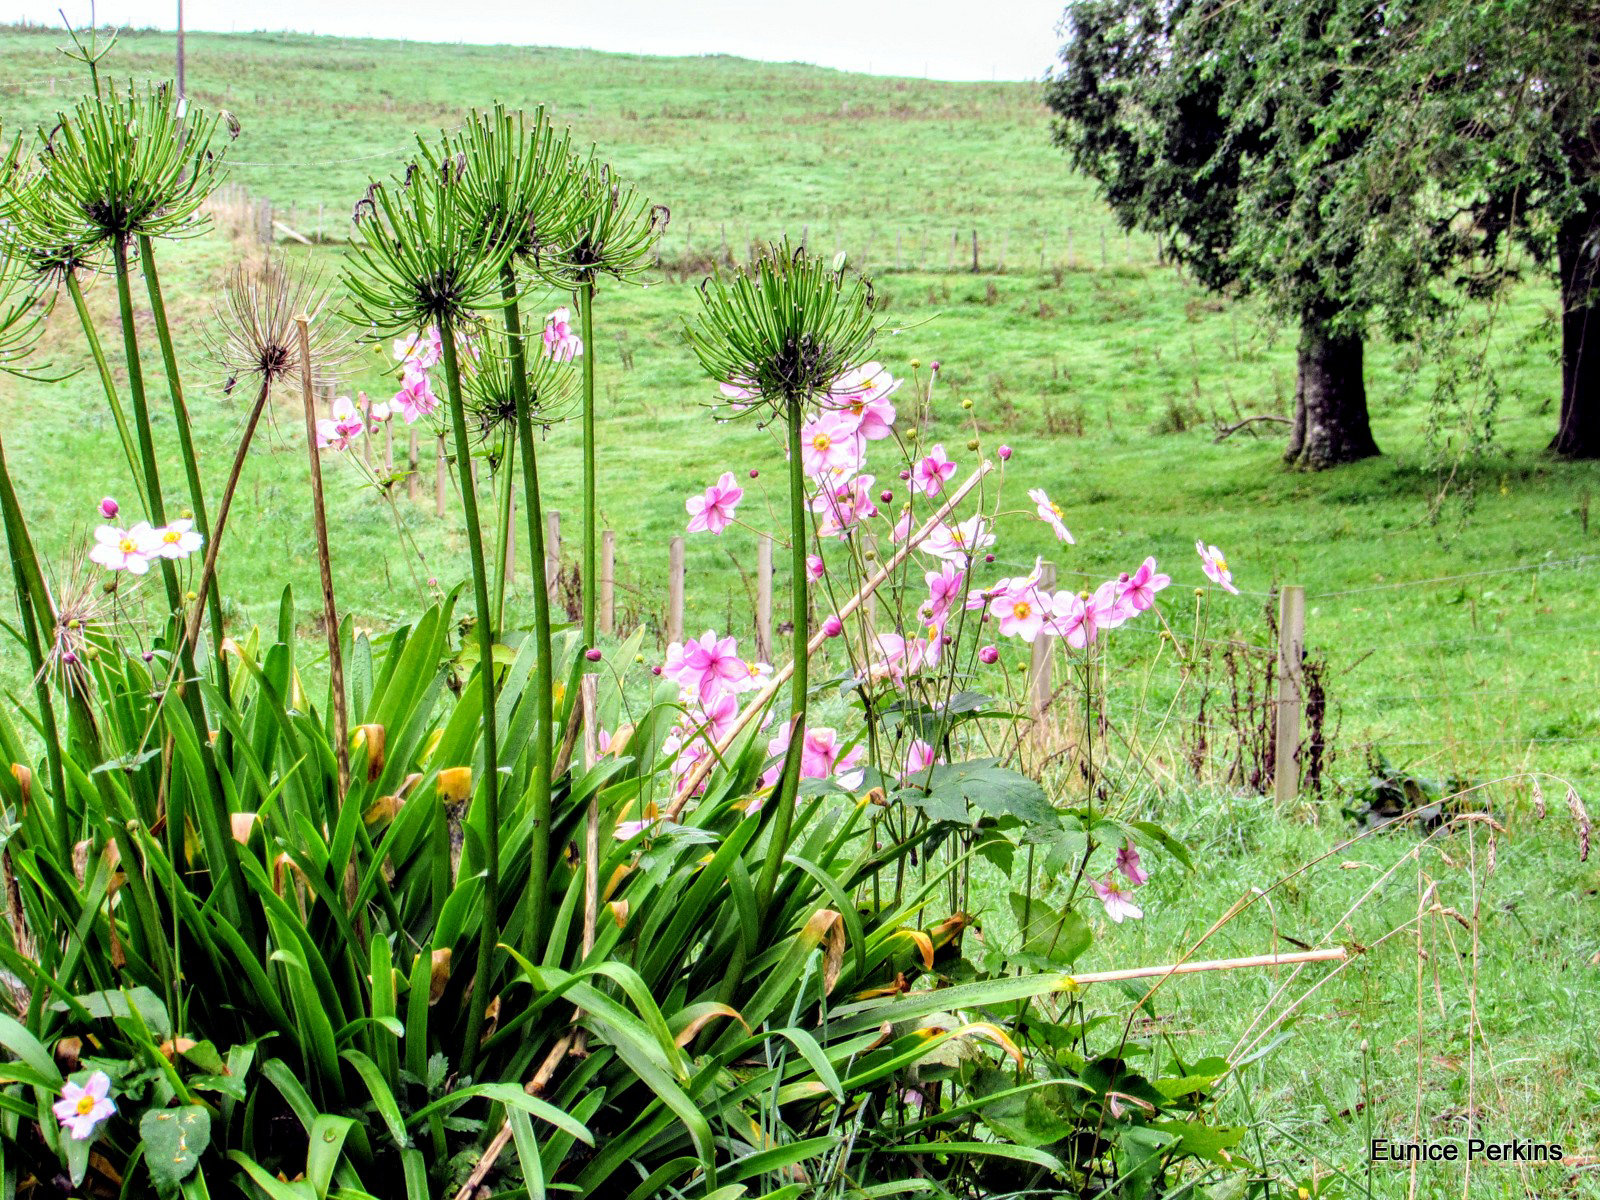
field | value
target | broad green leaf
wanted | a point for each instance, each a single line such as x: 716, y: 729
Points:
x: 174, y: 1140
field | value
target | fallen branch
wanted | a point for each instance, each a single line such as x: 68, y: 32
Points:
x: 1330, y: 954
x: 292, y: 235
x: 541, y: 1079
x: 1226, y: 431
x: 701, y: 769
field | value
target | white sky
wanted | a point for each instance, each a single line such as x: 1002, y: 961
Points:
x: 944, y: 39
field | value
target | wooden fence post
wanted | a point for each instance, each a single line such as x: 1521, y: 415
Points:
x: 1039, y: 682
x: 974, y: 251
x: 552, y: 552
x: 441, y: 481
x: 675, y: 590
x: 608, y: 581
x: 764, y: 598
x: 1291, y: 650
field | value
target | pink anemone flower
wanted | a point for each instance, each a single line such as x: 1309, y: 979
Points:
x: 706, y: 664
x: 83, y: 1108
x: 1139, y: 589
x: 1128, y: 864
x: 712, y: 512
x: 1050, y: 513
x: 343, y: 428
x: 124, y: 549
x: 932, y: 470
x: 176, y: 539
x: 829, y: 443
x: 1118, y: 903
x: 1215, y: 567
x: 560, y: 342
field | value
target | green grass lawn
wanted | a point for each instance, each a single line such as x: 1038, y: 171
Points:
x: 1106, y: 380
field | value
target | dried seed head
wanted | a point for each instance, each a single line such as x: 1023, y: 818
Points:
x: 1581, y: 816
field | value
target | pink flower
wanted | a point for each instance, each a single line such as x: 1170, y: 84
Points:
x: 930, y: 473
x: 337, y: 432
x: 124, y: 549
x: 1072, y: 620
x: 815, y: 567
x: 715, y: 715
x: 1109, y: 608
x: 842, y: 506
x: 81, y: 1109
x: 420, y: 350
x: 820, y: 758
x: 890, y: 662
x: 1119, y: 904
x: 1022, y: 611
x: 944, y: 590
x: 415, y: 399
x: 1128, y: 864
x: 959, y: 543
x: 1215, y: 567
x: 902, y: 527
x: 1050, y: 513
x: 1005, y: 453
x: 707, y: 665
x: 829, y: 443
x: 628, y: 830
x: 713, y: 511
x: 176, y: 539
x: 560, y: 343
x: 109, y: 509
x: 1139, y: 589
x: 919, y: 757
x: 832, y: 626
x: 862, y: 396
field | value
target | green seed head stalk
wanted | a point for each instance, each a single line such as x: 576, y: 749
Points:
x: 780, y: 331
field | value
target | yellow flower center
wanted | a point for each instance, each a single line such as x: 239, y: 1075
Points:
x: 857, y: 406
x: 127, y: 545
x: 821, y: 441
x: 85, y: 1105
x: 1056, y: 508
x: 1222, y: 563
x: 1021, y: 610
x: 753, y: 668
x: 171, y: 536
x: 958, y: 537
x: 933, y: 633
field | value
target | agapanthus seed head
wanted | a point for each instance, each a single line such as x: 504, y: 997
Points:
x: 782, y: 328
x: 256, y: 334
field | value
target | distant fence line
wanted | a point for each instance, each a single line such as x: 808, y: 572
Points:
x: 688, y: 247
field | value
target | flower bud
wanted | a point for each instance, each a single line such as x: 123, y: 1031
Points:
x: 592, y: 654
x: 754, y: 473
x: 989, y: 655
x: 1005, y: 453
x: 934, y: 365
x: 973, y: 444
x: 988, y: 558
x: 886, y: 495
x: 109, y: 508
x: 832, y: 627
x: 967, y: 404
x: 905, y: 476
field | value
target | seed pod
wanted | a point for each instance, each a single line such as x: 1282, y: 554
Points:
x: 1581, y: 816
x: 24, y: 778
x: 373, y: 738
x: 1538, y: 800
x: 438, y: 975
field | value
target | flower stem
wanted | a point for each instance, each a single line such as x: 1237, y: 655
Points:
x: 141, y: 419
x: 591, y: 536
x: 785, y: 794
x: 502, y: 528
x: 92, y: 338
x: 490, y: 911
x: 544, y: 724
x: 330, y: 610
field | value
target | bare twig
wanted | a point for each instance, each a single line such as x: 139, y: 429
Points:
x: 1227, y: 431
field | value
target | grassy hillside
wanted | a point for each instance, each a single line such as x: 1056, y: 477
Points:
x: 1106, y: 377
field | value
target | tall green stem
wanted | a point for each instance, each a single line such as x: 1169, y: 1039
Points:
x: 502, y: 529
x: 783, y: 796
x: 92, y: 337
x: 191, y: 463
x: 490, y: 913
x: 31, y: 594
x: 544, y: 678
x: 141, y: 419
x: 591, y: 536
x: 214, y: 813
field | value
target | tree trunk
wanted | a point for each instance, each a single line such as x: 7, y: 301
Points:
x: 1330, y: 397
x: 1578, y: 253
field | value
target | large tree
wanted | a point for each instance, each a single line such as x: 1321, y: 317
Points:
x: 1201, y: 120
x: 1485, y: 117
